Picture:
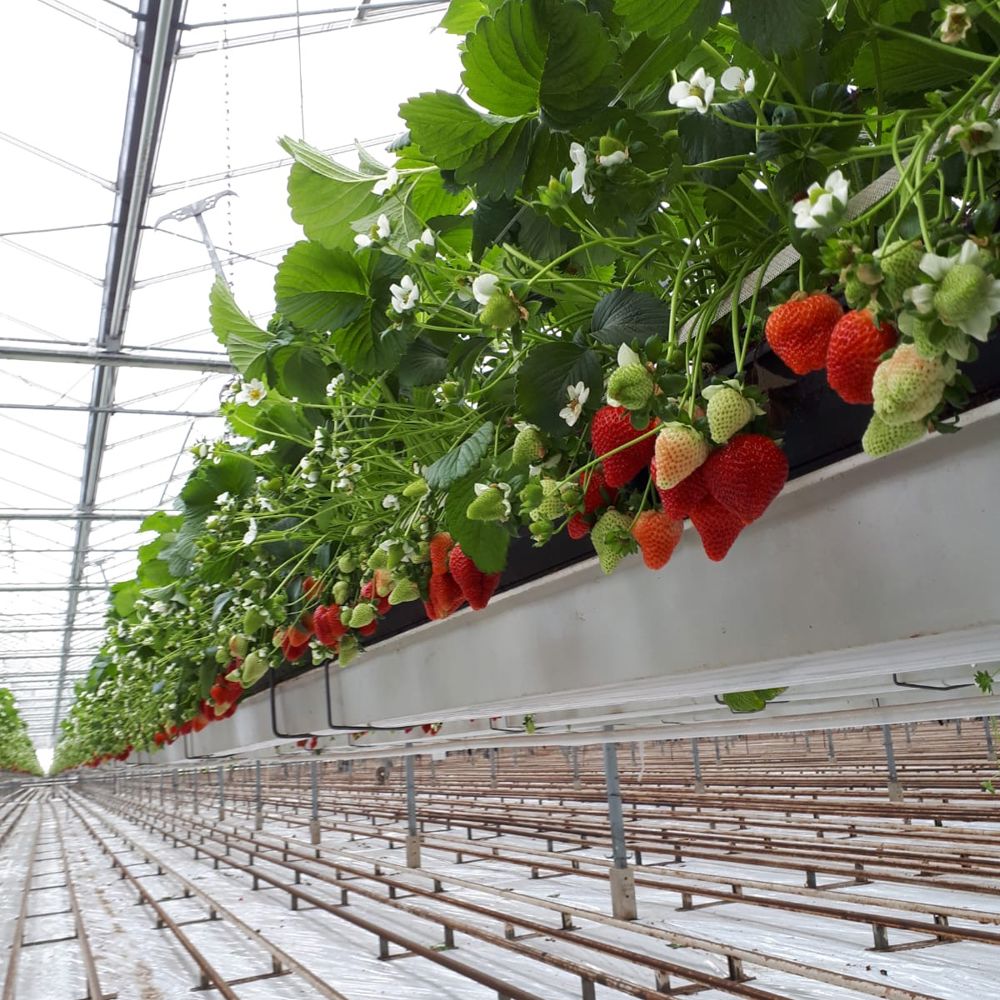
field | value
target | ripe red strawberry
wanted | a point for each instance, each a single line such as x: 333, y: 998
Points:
x: 680, y: 500
x: 597, y: 493
x: 799, y: 331
x: 370, y: 593
x: 856, y: 345
x: 717, y: 526
x: 297, y: 635
x: 293, y: 651
x: 657, y: 534
x: 477, y: 587
x: 746, y: 474
x: 369, y: 629
x: 612, y: 428
x: 444, y: 596
x: 440, y: 546
x: 577, y: 527
x: 312, y: 588
x: 329, y: 628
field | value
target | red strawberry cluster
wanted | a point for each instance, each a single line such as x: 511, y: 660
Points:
x: 455, y: 580
x: 813, y: 332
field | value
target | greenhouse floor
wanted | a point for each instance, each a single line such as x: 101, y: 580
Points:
x: 745, y: 892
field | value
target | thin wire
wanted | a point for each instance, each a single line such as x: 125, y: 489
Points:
x: 228, y: 122
x: 57, y: 229
x: 302, y: 95
x: 228, y: 250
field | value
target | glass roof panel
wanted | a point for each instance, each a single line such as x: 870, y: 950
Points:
x: 235, y: 89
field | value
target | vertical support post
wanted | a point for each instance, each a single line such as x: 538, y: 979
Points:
x: 314, y: 811
x: 699, y: 785
x: 194, y: 790
x: 412, y: 836
x: 830, y: 752
x: 575, y: 757
x: 909, y: 736
x: 895, y: 789
x: 622, y: 876
x: 991, y: 750
x: 258, y: 816
x: 958, y: 727
x: 808, y: 747
x: 718, y: 752
x: 494, y: 756
x: 222, y: 792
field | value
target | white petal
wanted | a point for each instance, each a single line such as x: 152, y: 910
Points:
x: 483, y: 287
x: 678, y: 92
x: 363, y: 240
x: 969, y: 254
x: 626, y: 356
x: 383, y: 226
x: 570, y: 414
x: 806, y: 222
x: 935, y: 266
x: 709, y: 90
x: 699, y: 78
x: 922, y: 297
x: 582, y: 393
x: 978, y: 325
x: 577, y: 154
x: 613, y: 159
x: 588, y: 197
x: 692, y: 102
x: 751, y: 82
x: 733, y: 78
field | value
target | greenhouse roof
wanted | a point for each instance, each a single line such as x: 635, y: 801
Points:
x: 151, y: 143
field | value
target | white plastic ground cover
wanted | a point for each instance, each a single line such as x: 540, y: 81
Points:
x: 951, y: 972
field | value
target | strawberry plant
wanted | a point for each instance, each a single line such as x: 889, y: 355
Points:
x: 542, y: 310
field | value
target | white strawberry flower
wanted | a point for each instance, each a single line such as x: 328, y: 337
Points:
x: 390, y: 501
x: 612, y: 159
x: 626, y: 356
x: 823, y: 203
x: 960, y: 292
x: 426, y: 239
x: 576, y: 395
x: 380, y: 231
x: 578, y: 175
x: 405, y: 295
x: 251, y: 533
x: 735, y: 79
x: 484, y: 287
x: 387, y: 183
x: 956, y: 24
x: 252, y: 392
x: 976, y: 138
x: 695, y: 94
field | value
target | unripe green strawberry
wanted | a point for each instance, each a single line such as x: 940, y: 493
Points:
x: 418, y: 488
x: 900, y: 265
x: 631, y: 386
x: 608, y: 144
x: 394, y: 555
x: 908, y: 386
x: 253, y: 620
x: 857, y: 293
x: 541, y: 531
x: 680, y: 449
x: 238, y: 646
x: 340, y: 591
x: 254, y: 667
x: 345, y: 616
x: 552, y: 505
x: 961, y: 293
x: 347, y: 650
x: 222, y: 655
x: 529, y: 447
x: 362, y: 615
x: 728, y: 411
x: 347, y: 563
x: 405, y: 590
x: 612, y: 538
x: 490, y: 505
x: 933, y: 339
x: 500, y: 312
x: 379, y: 559
x: 882, y: 439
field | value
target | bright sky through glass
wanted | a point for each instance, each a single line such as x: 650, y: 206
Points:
x: 65, y: 70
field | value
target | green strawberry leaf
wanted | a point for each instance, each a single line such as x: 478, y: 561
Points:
x: 462, y: 15
x: 319, y: 289
x: 779, y: 27
x: 544, y: 376
x: 661, y: 19
x: 457, y: 462
x: 625, y: 315
x: 325, y: 197
x: 245, y: 342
